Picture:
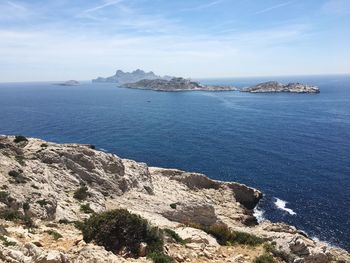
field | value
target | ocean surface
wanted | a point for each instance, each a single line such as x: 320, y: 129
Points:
x: 293, y: 147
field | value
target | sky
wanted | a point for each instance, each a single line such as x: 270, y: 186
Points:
x: 42, y: 40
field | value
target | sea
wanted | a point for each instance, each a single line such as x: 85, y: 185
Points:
x: 295, y: 148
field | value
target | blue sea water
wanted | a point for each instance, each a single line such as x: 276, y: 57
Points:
x: 293, y: 147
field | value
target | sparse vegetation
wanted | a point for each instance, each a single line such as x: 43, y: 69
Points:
x: 174, y: 236
x: 6, y: 242
x: 34, y: 186
x: 85, y: 208
x: 28, y: 221
x: 81, y: 193
x: 3, y: 196
x: 173, y: 205
x: 270, y: 248
x: 226, y: 236
x: 159, y: 257
x: 44, y: 145
x: 10, y: 214
x: 42, y: 202
x: 26, y: 206
x: 18, y: 176
x: 265, y: 258
x: 20, y: 138
x: 21, y: 160
x: 118, y: 229
x: 54, y: 234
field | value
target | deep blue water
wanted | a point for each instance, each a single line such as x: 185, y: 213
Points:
x: 295, y: 147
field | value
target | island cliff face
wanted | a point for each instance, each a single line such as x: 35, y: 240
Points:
x: 39, y: 180
x: 121, y: 77
x: 274, y: 86
x: 175, y: 84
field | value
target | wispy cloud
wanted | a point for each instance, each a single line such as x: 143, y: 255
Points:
x: 270, y: 8
x: 204, y: 6
x: 107, y: 4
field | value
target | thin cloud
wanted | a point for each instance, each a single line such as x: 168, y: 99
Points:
x: 111, y: 3
x: 200, y: 7
x: 268, y: 9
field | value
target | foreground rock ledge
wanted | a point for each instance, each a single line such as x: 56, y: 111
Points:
x: 49, y: 174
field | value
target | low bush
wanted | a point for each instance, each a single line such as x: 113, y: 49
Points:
x: 20, y: 138
x: 81, y: 193
x: 174, y: 236
x: 265, y: 258
x: 28, y: 221
x: 85, y: 208
x: 159, y: 257
x: 173, y: 205
x: 119, y: 229
x: 10, y: 214
x: 18, y: 176
x: 26, y: 206
x: 54, y: 234
x: 6, y: 242
x: 21, y: 160
x: 225, y: 236
x: 42, y: 202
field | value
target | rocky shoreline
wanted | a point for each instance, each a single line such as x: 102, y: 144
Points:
x: 40, y: 182
x: 175, y: 84
x: 274, y: 86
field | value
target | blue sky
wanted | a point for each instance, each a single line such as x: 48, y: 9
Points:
x: 75, y: 39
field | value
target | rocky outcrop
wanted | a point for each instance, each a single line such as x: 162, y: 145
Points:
x: 175, y: 84
x: 274, y: 86
x: 50, y: 183
x: 121, y: 77
x: 69, y: 83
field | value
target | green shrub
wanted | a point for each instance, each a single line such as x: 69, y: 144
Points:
x: 271, y: 248
x: 42, y: 202
x: 21, y: 160
x: 4, y: 197
x: 54, y: 234
x: 265, y: 258
x: 160, y: 257
x: 34, y: 186
x: 44, y: 145
x: 64, y: 221
x: 86, y: 209
x: 20, y: 138
x: 81, y: 193
x: 6, y: 242
x: 225, y: 236
x: 10, y: 214
x: 18, y: 176
x: 26, y: 206
x: 174, y: 236
x: 173, y: 205
x: 118, y: 229
x: 28, y: 221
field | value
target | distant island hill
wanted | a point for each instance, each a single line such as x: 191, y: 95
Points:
x: 140, y: 79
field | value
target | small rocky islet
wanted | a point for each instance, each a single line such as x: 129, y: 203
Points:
x: 54, y: 198
x: 140, y: 79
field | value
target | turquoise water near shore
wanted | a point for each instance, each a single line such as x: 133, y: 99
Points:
x: 293, y: 147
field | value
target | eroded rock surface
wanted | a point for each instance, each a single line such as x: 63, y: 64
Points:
x: 40, y: 179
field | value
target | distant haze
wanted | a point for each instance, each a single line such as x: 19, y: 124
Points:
x: 61, y: 40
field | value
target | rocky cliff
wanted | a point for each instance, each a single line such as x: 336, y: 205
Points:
x: 175, y: 84
x: 46, y: 185
x: 274, y: 86
x: 121, y: 77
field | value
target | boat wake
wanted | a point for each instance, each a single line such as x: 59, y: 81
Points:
x: 281, y: 204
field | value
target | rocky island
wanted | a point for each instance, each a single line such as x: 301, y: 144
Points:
x: 63, y: 203
x: 69, y: 83
x: 121, y: 77
x: 175, y: 84
x: 274, y: 86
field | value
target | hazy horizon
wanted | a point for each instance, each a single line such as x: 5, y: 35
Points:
x: 60, y: 40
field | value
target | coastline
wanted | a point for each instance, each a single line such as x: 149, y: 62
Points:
x: 148, y: 191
